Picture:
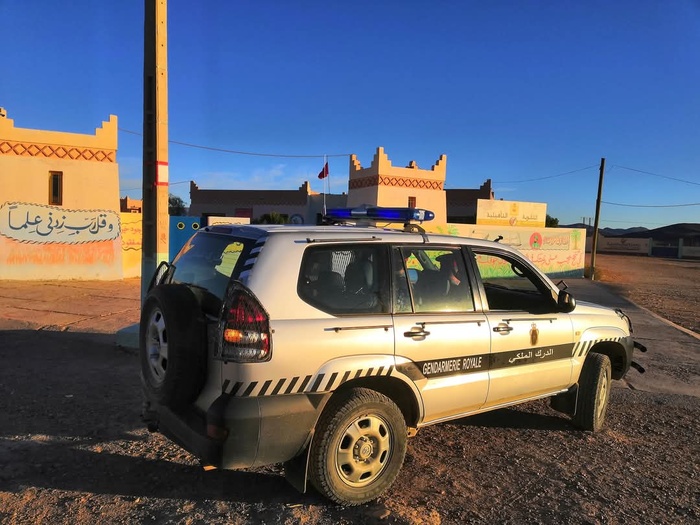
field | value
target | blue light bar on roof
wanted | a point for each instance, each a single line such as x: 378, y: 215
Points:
x: 378, y: 213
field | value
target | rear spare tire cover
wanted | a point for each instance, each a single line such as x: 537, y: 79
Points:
x: 173, y: 345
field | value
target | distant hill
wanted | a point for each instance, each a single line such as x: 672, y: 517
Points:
x: 683, y: 230
x: 608, y: 232
x: 671, y: 233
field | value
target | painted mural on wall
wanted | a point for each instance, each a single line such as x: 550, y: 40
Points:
x: 39, y: 223
x: 558, y: 252
x: 181, y: 229
x: 131, y: 244
x: 50, y: 242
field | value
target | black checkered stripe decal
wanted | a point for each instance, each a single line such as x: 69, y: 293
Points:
x: 310, y: 384
x: 582, y: 347
x: 250, y: 261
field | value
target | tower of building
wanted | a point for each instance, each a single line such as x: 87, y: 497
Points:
x: 384, y: 184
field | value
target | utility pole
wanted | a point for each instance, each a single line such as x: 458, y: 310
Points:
x: 597, y: 217
x: 154, y: 241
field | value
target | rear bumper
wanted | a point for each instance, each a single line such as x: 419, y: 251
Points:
x: 260, y: 430
x: 190, y: 432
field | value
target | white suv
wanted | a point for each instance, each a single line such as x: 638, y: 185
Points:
x: 325, y: 347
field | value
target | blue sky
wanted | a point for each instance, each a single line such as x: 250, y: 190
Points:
x: 514, y: 91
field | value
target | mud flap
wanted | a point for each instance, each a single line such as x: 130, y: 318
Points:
x: 296, y: 470
x: 565, y: 402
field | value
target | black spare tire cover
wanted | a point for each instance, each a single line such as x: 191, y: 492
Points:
x: 172, y: 345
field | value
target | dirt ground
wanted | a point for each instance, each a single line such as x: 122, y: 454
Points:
x: 73, y: 448
x: 667, y: 287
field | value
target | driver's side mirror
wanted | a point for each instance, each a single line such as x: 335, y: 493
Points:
x: 566, y: 302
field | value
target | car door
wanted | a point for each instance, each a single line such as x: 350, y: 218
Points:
x: 441, y: 339
x: 531, y: 340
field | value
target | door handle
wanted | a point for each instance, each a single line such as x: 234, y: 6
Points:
x: 421, y: 332
x: 502, y: 328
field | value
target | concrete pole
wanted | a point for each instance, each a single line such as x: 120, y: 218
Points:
x: 154, y: 243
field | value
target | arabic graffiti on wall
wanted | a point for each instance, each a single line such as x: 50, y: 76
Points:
x: 41, y: 224
x: 510, y: 213
x: 558, y: 252
x: 131, y: 244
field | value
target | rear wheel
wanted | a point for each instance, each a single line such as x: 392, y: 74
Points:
x: 359, y: 447
x: 593, y: 393
x: 172, y: 345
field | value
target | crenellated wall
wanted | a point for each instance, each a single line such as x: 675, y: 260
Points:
x: 384, y: 184
x: 78, y: 237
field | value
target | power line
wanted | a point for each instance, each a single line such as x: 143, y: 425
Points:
x: 543, y: 178
x: 169, y: 184
x: 658, y: 175
x: 237, y: 152
x: 652, y: 205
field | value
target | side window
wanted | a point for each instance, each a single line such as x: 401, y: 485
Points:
x: 511, y: 285
x: 431, y: 280
x: 345, y: 279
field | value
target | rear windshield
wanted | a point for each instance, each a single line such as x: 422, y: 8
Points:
x: 209, y: 260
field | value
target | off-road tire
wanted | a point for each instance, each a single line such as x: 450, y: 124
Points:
x: 593, y: 392
x: 172, y: 345
x: 358, y: 447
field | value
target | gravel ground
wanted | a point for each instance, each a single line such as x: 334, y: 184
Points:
x: 73, y: 449
x: 667, y: 287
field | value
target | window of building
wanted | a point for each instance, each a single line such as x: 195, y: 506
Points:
x: 411, y: 202
x: 56, y: 187
x: 244, y: 212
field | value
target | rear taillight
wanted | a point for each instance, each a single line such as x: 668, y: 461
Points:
x: 244, y: 329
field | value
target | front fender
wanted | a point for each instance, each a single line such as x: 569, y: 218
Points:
x: 614, y: 342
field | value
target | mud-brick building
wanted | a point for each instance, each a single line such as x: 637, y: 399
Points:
x: 380, y: 183
x: 384, y: 184
x: 59, y: 203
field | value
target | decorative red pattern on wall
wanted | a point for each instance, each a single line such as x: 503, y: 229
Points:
x: 51, y: 151
x: 395, y: 182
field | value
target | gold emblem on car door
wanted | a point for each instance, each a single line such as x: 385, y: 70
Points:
x: 534, y: 333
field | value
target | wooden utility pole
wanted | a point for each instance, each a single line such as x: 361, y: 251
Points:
x: 597, y: 217
x: 154, y: 242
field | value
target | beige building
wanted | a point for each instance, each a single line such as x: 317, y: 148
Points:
x: 300, y: 206
x: 383, y: 184
x: 129, y: 205
x: 379, y: 184
x: 59, y: 203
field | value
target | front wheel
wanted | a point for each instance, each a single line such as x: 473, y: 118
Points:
x: 593, y: 393
x: 358, y: 448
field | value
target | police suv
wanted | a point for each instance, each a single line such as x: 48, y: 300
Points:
x: 326, y: 347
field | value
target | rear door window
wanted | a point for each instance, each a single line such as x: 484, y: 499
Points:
x: 345, y: 279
